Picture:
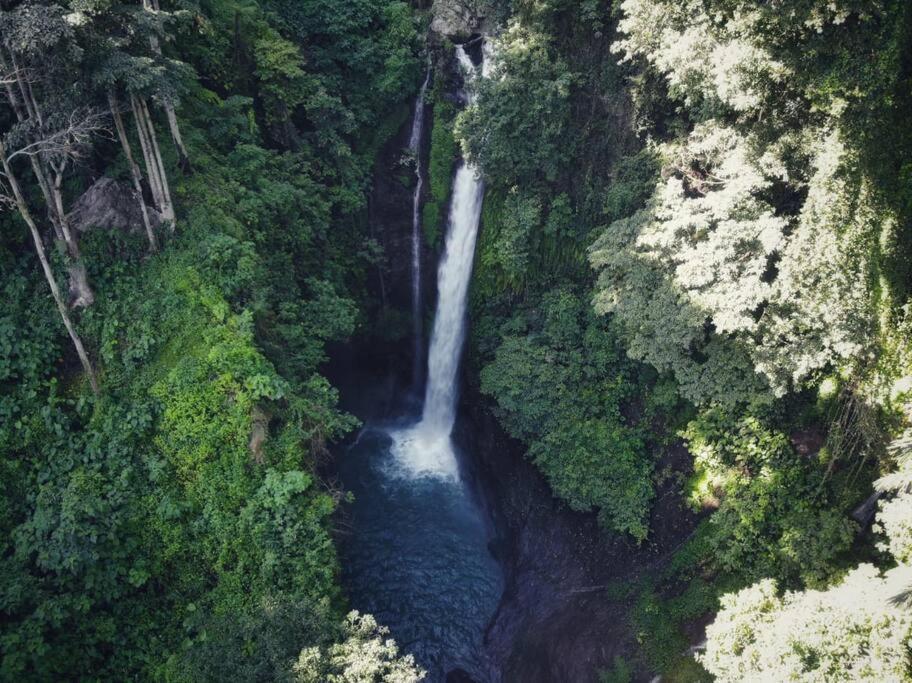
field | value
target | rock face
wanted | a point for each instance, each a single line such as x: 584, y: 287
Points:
x: 110, y: 205
x: 558, y: 620
x: 391, y: 219
x: 457, y: 19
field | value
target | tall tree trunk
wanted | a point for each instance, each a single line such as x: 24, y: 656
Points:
x: 163, y: 176
x: 151, y: 164
x: 25, y: 92
x: 48, y: 273
x: 81, y: 293
x: 134, y: 169
x: 27, y: 108
x: 183, y: 157
x: 14, y: 101
x: 173, y: 127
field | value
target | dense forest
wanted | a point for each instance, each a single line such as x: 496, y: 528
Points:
x: 692, y: 283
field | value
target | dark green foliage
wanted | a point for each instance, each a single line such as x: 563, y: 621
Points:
x: 256, y: 644
x: 774, y: 525
x: 509, y: 225
x: 559, y: 380
x: 658, y: 627
x: 632, y: 185
x: 160, y: 505
x: 175, y: 528
x: 599, y: 464
x: 776, y: 518
x: 547, y: 132
x: 621, y: 672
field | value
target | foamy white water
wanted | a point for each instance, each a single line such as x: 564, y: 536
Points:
x: 426, y: 448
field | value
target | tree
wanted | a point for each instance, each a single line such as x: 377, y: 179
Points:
x: 36, y: 71
x: 517, y: 130
x: 16, y: 197
x: 765, y: 238
x: 135, y: 174
x: 365, y: 655
x: 153, y: 7
x: 714, y: 283
x: 559, y: 382
x: 850, y: 632
x: 122, y: 48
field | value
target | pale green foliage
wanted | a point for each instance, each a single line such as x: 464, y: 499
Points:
x: 718, y: 56
x: 711, y: 284
x: 821, y: 306
x: 751, y: 268
x: 851, y: 632
x: 679, y: 40
x: 895, y: 517
x: 686, y: 260
x: 895, y: 522
x: 366, y: 655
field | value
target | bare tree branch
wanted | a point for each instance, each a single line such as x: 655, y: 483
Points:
x: 69, y: 140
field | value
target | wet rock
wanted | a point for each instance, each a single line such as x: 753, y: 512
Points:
x: 562, y: 618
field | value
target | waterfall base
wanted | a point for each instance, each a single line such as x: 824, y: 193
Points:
x: 421, y: 451
x: 417, y: 556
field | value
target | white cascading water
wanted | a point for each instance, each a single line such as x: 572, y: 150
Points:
x: 426, y: 449
x: 415, y: 148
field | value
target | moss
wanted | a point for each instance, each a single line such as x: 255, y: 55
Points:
x: 440, y: 169
x: 486, y: 278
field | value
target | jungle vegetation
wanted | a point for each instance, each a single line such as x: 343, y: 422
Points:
x: 696, y: 232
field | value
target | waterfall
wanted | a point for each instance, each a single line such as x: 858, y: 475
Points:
x: 415, y: 148
x: 425, y: 449
x: 453, y: 284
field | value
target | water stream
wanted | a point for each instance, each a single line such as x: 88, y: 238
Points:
x: 415, y: 138
x: 418, y: 555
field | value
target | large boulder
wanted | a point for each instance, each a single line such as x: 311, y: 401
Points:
x: 110, y: 205
x: 457, y: 20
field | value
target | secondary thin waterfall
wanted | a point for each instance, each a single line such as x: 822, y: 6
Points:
x: 415, y: 148
x: 425, y: 449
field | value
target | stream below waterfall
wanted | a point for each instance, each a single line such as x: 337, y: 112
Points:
x: 418, y: 557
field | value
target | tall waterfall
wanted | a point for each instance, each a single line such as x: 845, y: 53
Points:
x: 415, y: 148
x: 425, y: 449
x: 420, y: 543
x: 453, y: 284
